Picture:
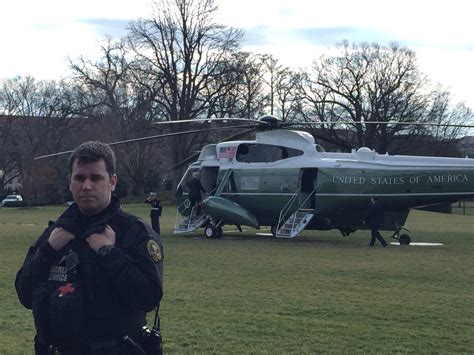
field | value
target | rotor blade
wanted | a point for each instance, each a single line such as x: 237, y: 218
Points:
x: 53, y: 155
x: 188, y: 160
x: 209, y: 120
x: 289, y: 124
x: 194, y: 156
x: 147, y: 138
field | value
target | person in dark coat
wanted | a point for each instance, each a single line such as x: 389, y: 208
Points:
x: 375, y: 221
x: 195, y: 188
x: 155, y: 212
x: 96, y: 271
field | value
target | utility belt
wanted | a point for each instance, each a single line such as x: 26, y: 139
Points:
x: 110, y: 346
x: 147, y: 342
x: 155, y: 209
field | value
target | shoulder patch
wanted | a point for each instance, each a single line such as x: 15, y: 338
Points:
x: 154, y: 250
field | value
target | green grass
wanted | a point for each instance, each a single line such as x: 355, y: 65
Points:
x: 317, y: 293
x: 464, y: 207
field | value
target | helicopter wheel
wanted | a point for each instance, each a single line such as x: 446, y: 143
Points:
x: 404, y: 239
x: 212, y: 231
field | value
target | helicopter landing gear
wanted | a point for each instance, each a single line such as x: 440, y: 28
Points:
x: 403, y: 239
x: 213, y: 231
x: 273, y: 230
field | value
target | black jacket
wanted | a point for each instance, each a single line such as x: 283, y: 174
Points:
x: 195, y: 188
x: 118, y: 289
x: 375, y: 214
x: 156, y: 207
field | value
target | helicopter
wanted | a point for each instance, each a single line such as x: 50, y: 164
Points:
x: 285, y: 180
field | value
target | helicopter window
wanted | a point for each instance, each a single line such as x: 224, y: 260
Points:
x: 250, y: 182
x: 287, y: 184
x: 263, y: 153
x: 319, y: 148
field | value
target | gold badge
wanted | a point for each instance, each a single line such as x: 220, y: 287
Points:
x: 154, y: 250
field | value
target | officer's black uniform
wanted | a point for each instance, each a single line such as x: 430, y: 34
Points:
x: 155, y: 214
x: 375, y: 220
x: 85, y: 303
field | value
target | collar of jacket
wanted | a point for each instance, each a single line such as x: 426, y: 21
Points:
x: 81, y: 225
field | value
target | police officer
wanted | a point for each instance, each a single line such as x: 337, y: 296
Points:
x: 93, y: 274
x: 155, y: 212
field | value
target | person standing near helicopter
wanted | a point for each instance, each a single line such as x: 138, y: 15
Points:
x: 155, y: 212
x: 93, y: 274
x: 375, y: 220
x: 195, y: 188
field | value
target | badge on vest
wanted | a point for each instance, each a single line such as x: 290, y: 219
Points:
x: 154, y: 250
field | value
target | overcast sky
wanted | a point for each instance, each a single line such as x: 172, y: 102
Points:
x: 38, y: 35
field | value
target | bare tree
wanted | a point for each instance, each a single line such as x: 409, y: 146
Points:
x: 281, y: 87
x: 181, y: 49
x: 39, y: 122
x: 369, y: 83
x: 227, y: 102
x: 8, y: 170
x: 123, y: 105
x: 441, y: 112
x: 251, y: 86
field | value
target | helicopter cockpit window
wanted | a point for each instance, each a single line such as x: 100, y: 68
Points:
x: 264, y: 153
x: 319, y: 148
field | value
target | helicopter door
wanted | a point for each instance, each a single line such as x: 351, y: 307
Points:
x: 209, y: 179
x: 307, y: 185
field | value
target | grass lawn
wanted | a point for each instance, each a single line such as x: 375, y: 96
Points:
x: 317, y: 293
x: 464, y: 207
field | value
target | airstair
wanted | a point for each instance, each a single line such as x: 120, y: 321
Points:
x: 293, y: 225
x: 189, y: 223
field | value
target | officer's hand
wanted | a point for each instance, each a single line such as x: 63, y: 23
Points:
x: 98, y: 240
x: 59, y: 238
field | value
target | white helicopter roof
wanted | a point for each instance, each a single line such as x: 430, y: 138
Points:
x: 225, y: 153
x: 286, y: 138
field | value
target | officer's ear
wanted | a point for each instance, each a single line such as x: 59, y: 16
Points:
x: 113, y: 182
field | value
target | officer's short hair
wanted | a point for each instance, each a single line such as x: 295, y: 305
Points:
x: 93, y: 151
